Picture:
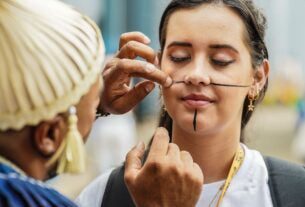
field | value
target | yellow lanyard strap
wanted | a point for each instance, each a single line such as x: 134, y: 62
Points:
x: 238, y: 160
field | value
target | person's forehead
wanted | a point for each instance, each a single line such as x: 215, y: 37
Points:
x: 206, y: 21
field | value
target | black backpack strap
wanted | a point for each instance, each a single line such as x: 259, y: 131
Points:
x: 286, y: 182
x: 116, y: 193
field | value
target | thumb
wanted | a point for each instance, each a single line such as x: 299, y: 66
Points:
x: 133, y: 163
x: 139, y: 92
x: 135, y: 95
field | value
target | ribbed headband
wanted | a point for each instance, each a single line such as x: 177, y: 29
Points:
x: 50, y: 55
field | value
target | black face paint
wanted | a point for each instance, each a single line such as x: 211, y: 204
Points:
x: 218, y: 84
x: 175, y: 82
x: 195, y: 120
x: 230, y: 85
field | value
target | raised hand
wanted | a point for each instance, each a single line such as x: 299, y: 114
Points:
x: 118, y: 97
x: 169, y: 176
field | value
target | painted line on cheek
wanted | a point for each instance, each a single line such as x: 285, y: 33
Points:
x: 175, y: 82
x: 229, y: 85
x: 195, y: 120
x: 217, y: 84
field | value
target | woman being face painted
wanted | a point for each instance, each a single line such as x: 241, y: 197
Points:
x: 207, y: 53
x: 216, y: 56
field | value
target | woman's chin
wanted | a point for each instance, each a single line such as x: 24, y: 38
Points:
x: 198, y: 128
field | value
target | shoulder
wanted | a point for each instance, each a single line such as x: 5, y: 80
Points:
x: 253, y: 167
x: 286, y: 182
x: 278, y: 167
x: 93, y: 194
x: 108, y: 189
x: 273, y: 166
x: 19, y: 190
x: 116, y: 193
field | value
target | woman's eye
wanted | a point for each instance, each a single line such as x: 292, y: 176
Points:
x: 222, y: 63
x: 179, y: 59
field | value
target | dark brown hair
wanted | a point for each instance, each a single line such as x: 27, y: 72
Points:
x: 255, y: 24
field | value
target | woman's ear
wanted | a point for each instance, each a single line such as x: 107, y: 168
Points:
x: 262, y: 74
x: 49, y: 135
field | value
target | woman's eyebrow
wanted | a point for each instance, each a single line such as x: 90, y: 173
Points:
x: 180, y: 44
x: 224, y: 46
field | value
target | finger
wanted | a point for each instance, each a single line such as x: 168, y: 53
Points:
x: 198, y: 173
x: 142, y: 69
x: 173, y: 151
x: 159, y: 144
x: 135, y: 95
x: 135, y: 36
x: 133, y: 49
x: 186, y: 159
x: 133, y: 162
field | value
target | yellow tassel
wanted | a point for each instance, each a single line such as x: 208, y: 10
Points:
x: 71, y: 153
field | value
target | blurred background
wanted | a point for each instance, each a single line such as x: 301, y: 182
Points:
x: 278, y: 126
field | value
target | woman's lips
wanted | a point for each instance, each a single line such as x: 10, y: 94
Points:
x: 197, y: 100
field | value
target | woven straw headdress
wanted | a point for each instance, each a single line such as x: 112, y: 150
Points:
x: 50, y: 55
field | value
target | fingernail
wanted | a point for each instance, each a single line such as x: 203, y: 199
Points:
x: 162, y: 130
x: 168, y: 82
x: 149, y: 87
x: 146, y: 40
x: 140, y: 145
x: 149, y: 67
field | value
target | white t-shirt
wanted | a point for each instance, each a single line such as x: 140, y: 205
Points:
x: 249, y: 187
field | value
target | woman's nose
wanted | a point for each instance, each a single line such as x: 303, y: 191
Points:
x: 198, y: 75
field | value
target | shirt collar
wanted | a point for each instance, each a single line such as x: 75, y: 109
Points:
x: 5, y: 161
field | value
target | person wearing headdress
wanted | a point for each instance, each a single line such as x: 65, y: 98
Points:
x: 51, y: 58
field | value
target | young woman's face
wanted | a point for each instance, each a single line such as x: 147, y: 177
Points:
x: 203, y: 45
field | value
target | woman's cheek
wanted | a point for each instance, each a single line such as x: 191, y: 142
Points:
x: 170, y: 100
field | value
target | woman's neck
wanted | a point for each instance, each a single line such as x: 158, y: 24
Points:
x: 213, y: 153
